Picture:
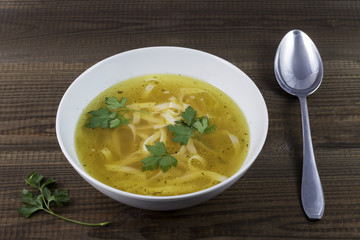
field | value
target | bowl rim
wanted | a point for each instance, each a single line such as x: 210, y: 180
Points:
x: 98, y: 183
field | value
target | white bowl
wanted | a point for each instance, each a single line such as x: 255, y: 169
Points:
x: 172, y: 60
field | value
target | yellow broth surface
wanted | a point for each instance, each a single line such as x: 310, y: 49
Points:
x: 113, y: 156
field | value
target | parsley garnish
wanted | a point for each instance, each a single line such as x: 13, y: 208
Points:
x: 109, y: 119
x: 190, y: 126
x: 159, y: 158
x: 114, y: 103
x: 182, y: 133
x: 42, y: 201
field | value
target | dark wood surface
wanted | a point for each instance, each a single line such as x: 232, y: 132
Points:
x: 45, y: 45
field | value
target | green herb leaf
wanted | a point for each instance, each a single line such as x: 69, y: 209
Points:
x: 189, y: 115
x: 158, y: 149
x: 115, y: 123
x: 100, y: 117
x: 46, y: 193
x: 210, y: 129
x: 109, y: 119
x: 105, y: 118
x: 182, y: 133
x: 34, y: 180
x: 114, y: 103
x: 118, y: 121
x: 150, y: 163
x: 159, y: 158
x: 28, y: 210
x: 188, y: 127
x: 201, y: 124
x: 31, y: 199
x: 166, y: 162
x: 34, y: 203
x: 46, y: 182
x: 60, y: 197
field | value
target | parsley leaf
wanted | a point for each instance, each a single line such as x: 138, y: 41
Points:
x: 201, y: 124
x: 158, y: 149
x: 118, y: 121
x: 189, y: 115
x: 110, y: 119
x: 159, y: 158
x: 60, y: 197
x: 34, y: 203
x: 100, y: 117
x: 113, y: 103
x: 182, y: 133
x: 190, y: 126
x: 105, y: 118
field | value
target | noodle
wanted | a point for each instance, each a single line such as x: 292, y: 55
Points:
x: 190, y: 147
x: 150, y: 140
x: 107, y: 153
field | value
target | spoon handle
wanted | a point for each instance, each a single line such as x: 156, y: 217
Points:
x: 312, y: 195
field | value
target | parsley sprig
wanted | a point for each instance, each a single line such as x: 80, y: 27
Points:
x: 111, y: 116
x: 42, y: 201
x: 190, y: 126
x: 159, y: 157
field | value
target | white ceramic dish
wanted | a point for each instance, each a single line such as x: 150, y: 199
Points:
x: 173, y: 60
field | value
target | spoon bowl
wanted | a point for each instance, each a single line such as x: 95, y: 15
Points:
x: 298, y: 65
x: 299, y: 71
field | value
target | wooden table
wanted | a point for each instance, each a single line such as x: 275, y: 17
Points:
x: 45, y: 45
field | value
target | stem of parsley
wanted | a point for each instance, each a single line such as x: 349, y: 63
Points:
x: 135, y: 110
x: 48, y: 210
x: 34, y: 203
x: 75, y: 221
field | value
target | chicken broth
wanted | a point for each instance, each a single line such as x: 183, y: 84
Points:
x: 116, y: 156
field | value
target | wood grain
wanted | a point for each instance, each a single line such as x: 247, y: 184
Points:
x: 45, y: 45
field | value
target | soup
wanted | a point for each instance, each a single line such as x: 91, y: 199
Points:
x: 162, y: 135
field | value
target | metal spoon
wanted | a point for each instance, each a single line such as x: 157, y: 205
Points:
x: 299, y: 71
